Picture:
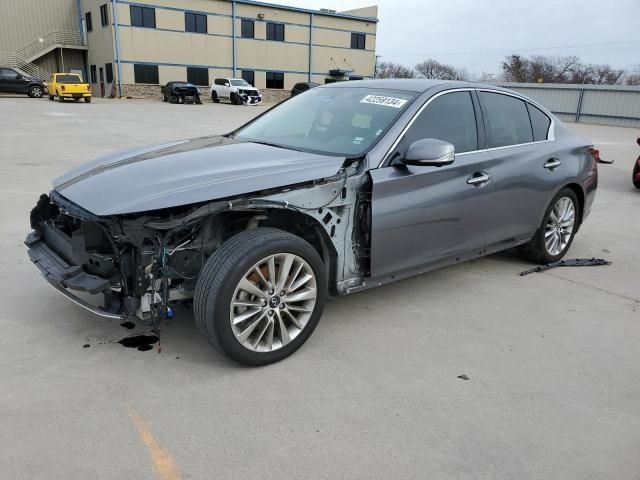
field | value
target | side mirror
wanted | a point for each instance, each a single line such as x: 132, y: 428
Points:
x: 19, y: 76
x: 429, y: 152
x: 227, y: 84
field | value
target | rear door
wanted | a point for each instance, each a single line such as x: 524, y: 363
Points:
x: 526, y: 169
x: 431, y: 216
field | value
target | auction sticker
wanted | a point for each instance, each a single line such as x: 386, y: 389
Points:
x: 384, y: 101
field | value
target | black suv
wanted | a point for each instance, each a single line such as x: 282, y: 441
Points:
x: 180, y: 92
x: 14, y: 81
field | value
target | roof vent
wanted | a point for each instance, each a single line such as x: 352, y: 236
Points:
x: 328, y: 10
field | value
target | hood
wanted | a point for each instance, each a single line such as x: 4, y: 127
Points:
x: 188, y: 171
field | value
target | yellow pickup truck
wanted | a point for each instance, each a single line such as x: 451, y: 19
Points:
x: 68, y: 85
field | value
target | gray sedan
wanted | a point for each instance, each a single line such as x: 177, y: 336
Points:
x: 342, y: 188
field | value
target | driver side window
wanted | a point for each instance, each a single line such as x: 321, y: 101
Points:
x: 449, y: 117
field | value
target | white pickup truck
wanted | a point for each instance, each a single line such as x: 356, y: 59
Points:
x: 236, y: 90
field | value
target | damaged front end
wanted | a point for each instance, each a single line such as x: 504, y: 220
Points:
x: 142, y: 264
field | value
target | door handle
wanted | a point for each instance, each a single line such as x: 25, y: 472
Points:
x: 552, y: 163
x: 478, y: 178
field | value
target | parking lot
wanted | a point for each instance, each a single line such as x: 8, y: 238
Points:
x: 550, y: 387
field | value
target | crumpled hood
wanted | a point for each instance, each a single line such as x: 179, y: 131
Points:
x: 185, y: 172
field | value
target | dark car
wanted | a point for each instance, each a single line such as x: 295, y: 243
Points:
x: 14, y: 81
x: 302, y: 87
x: 345, y: 188
x: 181, y: 92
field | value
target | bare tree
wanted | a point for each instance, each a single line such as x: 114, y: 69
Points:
x: 632, y: 77
x: 393, y: 70
x: 433, y: 69
x: 515, y: 69
x: 606, y: 75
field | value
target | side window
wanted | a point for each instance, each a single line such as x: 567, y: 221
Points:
x: 540, y: 123
x: 146, y: 74
x: 88, y: 22
x: 198, y: 75
x: 195, y: 22
x: 104, y: 15
x: 275, y: 31
x: 450, y: 117
x: 358, y: 40
x: 506, y: 120
x: 92, y: 70
x: 142, y: 16
x: 220, y: 81
x: 275, y: 79
x: 9, y: 74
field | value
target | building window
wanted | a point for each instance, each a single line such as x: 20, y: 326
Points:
x: 247, y: 28
x: 275, y: 80
x: 142, y: 16
x: 358, y: 40
x: 108, y: 68
x: 195, y: 22
x: 275, y: 31
x: 198, y: 75
x: 92, y: 69
x: 104, y: 15
x: 249, y: 76
x: 88, y: 22
x: 146, y: 74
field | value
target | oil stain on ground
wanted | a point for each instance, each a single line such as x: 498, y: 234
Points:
x: 128, y: 325
x: 141, y: 342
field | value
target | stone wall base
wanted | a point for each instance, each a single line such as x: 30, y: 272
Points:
x: 139, y: 90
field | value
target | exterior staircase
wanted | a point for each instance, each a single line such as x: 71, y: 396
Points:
x: 23, y: 57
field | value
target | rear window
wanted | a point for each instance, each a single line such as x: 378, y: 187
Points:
x: 68, y: 79
x: 506, y: 120
x: 539, y: 123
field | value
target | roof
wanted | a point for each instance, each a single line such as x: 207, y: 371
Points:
x: 326, y: 13
x: 410, y: 84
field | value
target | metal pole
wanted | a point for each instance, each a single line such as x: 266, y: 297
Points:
x: 233, y: 34
x: 117, y: 45
x: 579, y: 105
x: 310, y: 45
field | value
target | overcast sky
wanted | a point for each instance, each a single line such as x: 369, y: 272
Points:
x: 478, y: 34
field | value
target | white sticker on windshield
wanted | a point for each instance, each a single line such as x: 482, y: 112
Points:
x: 384, y: 101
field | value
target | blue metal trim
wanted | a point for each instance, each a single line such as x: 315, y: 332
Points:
x: 233, y: 34
x: 310, y: 45
x: 176, y: 31
x: 116, y: 35
x: 174, y: 9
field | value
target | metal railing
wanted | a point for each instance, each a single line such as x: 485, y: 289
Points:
x: 37, y: 47
x: 10, y: 59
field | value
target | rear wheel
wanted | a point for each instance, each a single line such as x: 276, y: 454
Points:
x: 87, y: 99
x: 635, y: 177
x: 164, y: 97
x: 260, y: 295
x: 554, y: 237
x: 51, y: 97
x: 214, y: 97
x: 36, y: 91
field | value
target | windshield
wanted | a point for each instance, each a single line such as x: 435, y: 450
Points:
x: 68, y: 79
x: 340, y: 121
x: 239, y: 83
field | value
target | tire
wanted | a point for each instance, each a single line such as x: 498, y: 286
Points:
x: 219, y: 284
x: 635, y: 176
x: 164, y: 97
x: 36, y: 91
x: 180, y: 100
x: 232, y: 99
x: 51, y: 97
x: 537, y: 250
x: 214, y: 97
x: 87, y: 99
x: 198, y: 101
x: 60, y: 98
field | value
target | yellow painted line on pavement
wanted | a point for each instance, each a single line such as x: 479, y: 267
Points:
x: 163, y: 462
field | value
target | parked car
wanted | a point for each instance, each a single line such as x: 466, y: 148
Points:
x: 15, y: 81
x: 302, y: 87
x: 237, y: 90
x: 333, y: 192
x: 181, y: 92
x: 635, y: 177
x: 68, y: 85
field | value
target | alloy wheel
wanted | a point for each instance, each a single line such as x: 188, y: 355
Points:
x: 273, y: 302
x: 560, y: 225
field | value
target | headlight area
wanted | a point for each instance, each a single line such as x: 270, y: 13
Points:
x: 139, y: 270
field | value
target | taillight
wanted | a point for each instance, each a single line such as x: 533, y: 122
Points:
x: 595, y: 154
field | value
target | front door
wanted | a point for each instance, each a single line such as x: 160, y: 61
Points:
x: 426, y: 217
x: 11, y: 81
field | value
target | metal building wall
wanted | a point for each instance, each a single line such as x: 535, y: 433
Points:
x: 601, y: 104
x: 24, y: 20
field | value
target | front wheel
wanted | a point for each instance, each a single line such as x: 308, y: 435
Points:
x: 51, y: 97
x: 260, y: 295
x: 36, y: 91
x: 559, y: 224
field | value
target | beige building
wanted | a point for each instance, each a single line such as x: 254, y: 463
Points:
x: 137, y: 45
